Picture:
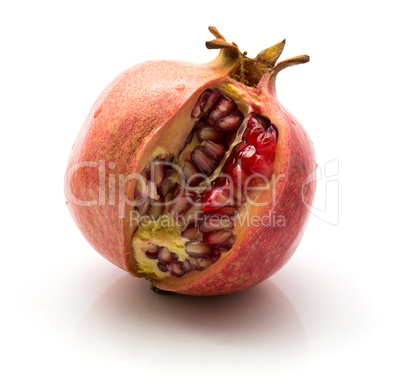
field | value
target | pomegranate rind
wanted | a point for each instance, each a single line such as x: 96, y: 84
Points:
x: 261, y: 251
x: 127, y: 116
x: 119, y: 131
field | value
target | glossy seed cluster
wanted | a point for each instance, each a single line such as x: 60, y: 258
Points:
x: 207, y: 218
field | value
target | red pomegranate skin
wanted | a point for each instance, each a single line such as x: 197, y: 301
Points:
x: 127, y: 118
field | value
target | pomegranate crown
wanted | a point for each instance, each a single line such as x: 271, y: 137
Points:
x: 250, y: 71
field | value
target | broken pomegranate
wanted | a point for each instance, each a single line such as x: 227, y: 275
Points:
x: 193, y: 176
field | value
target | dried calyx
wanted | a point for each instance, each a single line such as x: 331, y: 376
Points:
x: 250, y: 71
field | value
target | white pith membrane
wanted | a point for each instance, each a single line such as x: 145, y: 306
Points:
x: 187, y: 208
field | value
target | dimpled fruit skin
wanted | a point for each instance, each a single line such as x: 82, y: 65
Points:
x: 127, y: 115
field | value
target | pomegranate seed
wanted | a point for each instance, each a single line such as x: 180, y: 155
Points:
x: 177, y: 190
x: 190, y: 232
x: 162, y: 267
x: 237, y: 174
x: 144, y: 206
x: 191, y: 175
x: 247, y: 152
x: 258, y: 119
x: 202, y: 264
x: 193, y: 262
x: 226, y: 184
x: 231, y: 122
x: 188, y: 170
x: 157, y: 209
x: 182, y: 202
x: 152, y: 251
x: 230, y: 242
x: 224, y: 107
x: 266, y: 145
x: 180, y: 205
x: 262, y: 165
x: 222, y: 180
x: 187, y: 266
x: 202, y: 100
x: 246, y: 157
x: 252, y: 133
x: 165, y: 187
x: 209, y: 133
x: 217, y: 197
x: 238, y: 149
x: 217, y: 237
x: 204, y: 163
x: 274, y: 131
x: 214, y: 150
x: 165, y: 256
x: 176, y: 269
x: 214, y: 96
x: 198, y: 249
x: 214, y: 223
x: 194, y: 214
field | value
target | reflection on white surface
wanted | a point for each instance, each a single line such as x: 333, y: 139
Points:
x: 130, y: 323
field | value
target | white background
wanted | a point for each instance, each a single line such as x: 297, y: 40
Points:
x: 331, y: 315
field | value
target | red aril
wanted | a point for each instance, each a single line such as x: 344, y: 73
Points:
x: 252, y: 133
x: 266, y: 145
x: 261, y: 165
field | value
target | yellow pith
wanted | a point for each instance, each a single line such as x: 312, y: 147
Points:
x: 163, y: 232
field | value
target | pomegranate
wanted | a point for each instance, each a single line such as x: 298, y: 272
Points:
x: 193, y: 175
